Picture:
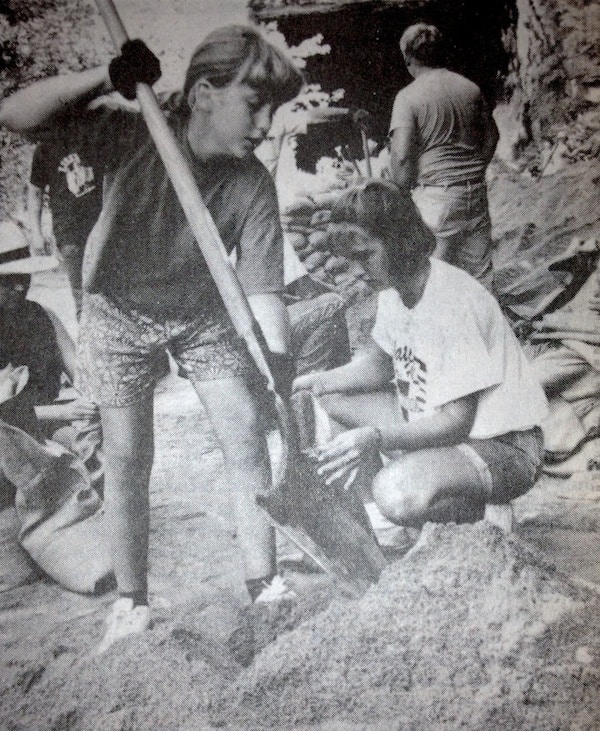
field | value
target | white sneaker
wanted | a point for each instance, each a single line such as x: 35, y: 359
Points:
x: 275, y: 591
x: 124, y: 620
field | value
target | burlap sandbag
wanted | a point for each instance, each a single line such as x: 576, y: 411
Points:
x: 59, y: 511
x: 16, y: 567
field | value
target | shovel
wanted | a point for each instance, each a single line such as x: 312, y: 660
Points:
x: 238, y: 308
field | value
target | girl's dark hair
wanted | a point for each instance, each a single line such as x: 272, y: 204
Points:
x: 239, y: 53
x: 384, y: 211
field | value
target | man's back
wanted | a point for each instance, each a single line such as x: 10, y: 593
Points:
x: 445, y: 110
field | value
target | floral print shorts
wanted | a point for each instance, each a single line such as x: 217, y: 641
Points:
x: 122, y: 351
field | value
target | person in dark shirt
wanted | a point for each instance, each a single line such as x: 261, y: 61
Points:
x: 148, y: 289
x: 69, y: 175
x: 30, y: 337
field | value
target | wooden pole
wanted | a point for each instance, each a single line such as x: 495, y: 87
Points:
x: 366, y: 154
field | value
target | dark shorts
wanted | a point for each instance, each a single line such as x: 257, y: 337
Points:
x: 508, y: 465
x: 122, y: 351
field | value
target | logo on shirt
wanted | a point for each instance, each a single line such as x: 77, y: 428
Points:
x: 80, y: 178
x: 410, y: 381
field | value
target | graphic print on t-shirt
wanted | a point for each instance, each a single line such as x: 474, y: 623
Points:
x: 79, y: 177
x: 411, y: 381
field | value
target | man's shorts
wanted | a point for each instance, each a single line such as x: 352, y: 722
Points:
x: 121, y: 350
x: 508, y: 465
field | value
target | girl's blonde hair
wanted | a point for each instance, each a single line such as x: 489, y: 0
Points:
x: 240, y: 54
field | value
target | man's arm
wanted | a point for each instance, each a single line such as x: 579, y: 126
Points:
x: 35, y: 202
x: 404, y: 156
x: 66, y: 345
x: 30, y: 109
x: 77, y: 410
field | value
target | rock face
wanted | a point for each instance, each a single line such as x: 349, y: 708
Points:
x: 305, y: 222
x: 554, y: 75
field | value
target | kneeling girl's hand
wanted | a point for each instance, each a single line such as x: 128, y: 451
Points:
x: 309, y: 382
x: 342, y: 456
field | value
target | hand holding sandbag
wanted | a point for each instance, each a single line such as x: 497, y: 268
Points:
x: 136, y: 64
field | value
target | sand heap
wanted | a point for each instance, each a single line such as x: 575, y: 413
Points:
x: 470, y: 629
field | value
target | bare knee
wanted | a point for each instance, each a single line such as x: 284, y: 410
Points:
x: 241, y: 438
x: 398, y: 497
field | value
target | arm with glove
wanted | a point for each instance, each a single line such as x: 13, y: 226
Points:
x: 33, y: 108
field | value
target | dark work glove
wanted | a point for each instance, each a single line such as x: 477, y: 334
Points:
x: 136, y: 64
x: 283, y: 370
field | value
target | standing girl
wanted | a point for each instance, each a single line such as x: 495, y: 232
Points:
x: 148, y: 289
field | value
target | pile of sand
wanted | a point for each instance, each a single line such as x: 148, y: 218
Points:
x: 470, y: 629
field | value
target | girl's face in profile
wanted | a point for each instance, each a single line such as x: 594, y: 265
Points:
x: 366, y: 252
x: 238, y: 120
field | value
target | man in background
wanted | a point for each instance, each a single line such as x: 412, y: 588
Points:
x: 442, y: 138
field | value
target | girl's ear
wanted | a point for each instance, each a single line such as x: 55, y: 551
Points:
x: 200, y: 96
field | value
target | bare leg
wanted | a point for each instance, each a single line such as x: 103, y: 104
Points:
x: 73, y: 262
x: 234, y: 416
x: 128, y: 451
x: 439, y: 485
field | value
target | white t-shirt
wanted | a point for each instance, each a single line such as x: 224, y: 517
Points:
x: 453, y: 343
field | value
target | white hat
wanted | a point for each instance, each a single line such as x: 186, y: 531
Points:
x: 29, y: 265
x: 14, y: 253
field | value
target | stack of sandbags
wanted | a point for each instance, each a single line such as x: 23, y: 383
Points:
x: 305, y: 223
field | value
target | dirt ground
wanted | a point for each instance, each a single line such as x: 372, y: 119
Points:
x: 470, y: 629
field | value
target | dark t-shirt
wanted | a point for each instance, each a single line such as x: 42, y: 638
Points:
x: 142, y: 251
x: 70, y: 173
x: 27, y: 338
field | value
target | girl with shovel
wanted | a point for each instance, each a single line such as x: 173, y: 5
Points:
x: 148, y: 288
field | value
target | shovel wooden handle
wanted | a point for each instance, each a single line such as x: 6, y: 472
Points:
x: 367, y: 155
